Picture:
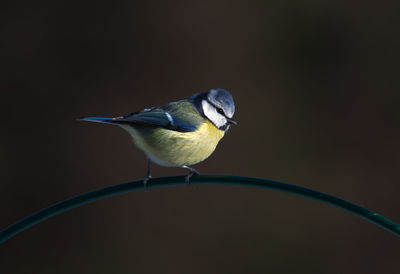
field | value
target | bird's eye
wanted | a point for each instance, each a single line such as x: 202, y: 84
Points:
x: 220, y: 111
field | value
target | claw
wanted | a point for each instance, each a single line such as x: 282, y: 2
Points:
x: 148, y: 175
x: 191, y: 173
x: 187, y: 178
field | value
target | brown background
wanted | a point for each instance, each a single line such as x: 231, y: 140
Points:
x: 317, y: 95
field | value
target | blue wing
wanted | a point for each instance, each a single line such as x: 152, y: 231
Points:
x: 147, y: 118
x: 158, y: 119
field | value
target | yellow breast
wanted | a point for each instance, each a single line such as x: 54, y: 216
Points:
x: 172, y: 148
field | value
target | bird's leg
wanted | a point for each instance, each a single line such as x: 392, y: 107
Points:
x: 191, y: 173
x: 148, y: 174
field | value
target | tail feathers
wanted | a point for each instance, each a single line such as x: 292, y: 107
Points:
x: 105, y: 120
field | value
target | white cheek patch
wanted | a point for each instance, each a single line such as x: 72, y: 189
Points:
x: 211, y: 113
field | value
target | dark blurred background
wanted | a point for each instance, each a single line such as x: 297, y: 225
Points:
x: 316, y: 85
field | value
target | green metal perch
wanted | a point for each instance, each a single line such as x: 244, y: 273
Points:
x: 110, y: 191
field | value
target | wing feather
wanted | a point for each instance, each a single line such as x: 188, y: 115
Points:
x: 158, y: 119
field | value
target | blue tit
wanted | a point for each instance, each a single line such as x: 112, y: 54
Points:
x: 181, y: 133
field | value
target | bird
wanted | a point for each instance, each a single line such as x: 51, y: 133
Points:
x: 180, y: 133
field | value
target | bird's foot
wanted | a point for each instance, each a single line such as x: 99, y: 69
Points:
x: 148, y: 174
x: 148, y: 177
x: 191, y: 173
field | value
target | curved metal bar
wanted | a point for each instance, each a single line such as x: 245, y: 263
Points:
x: 111, y: 191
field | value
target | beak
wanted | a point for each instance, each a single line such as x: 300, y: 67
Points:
x: 231, y: 121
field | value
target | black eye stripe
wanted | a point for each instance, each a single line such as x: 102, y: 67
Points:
x: 219, y: 110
